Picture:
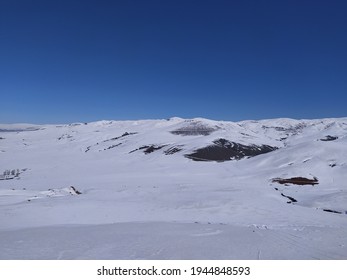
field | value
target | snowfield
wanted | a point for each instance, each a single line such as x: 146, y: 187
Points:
x: 174, y: 189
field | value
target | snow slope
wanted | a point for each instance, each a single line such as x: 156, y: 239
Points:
x: 127, y: 190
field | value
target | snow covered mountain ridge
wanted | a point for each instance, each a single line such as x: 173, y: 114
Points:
x: 283, y: 177
x: 161, y: 133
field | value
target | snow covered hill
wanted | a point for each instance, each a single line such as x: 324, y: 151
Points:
x: 174, y: 189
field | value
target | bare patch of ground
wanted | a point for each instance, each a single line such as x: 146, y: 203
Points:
x: 296, y: 181
x: 329, y: 138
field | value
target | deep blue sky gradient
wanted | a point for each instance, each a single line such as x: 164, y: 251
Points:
x: 68, y: 61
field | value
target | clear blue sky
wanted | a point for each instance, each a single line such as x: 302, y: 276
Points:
x: 68, y: 61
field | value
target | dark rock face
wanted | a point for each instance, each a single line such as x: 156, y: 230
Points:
x: 223, y: 150
x: 291, y: 199
x: 148, y: 149
x: 195, y: 128
x: 113, y: 146
x: 119, y: 137
x: 152, y: 148
x: 329, y: 138
x: 332, y: 211
x: 110, y: 140
x: 173, y: 150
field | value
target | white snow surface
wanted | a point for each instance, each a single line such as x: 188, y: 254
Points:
x: 157, y: 206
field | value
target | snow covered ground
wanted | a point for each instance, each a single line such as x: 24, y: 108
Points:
x: 133, y: 190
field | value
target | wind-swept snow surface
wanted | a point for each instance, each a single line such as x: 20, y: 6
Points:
x: 174, y: 189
